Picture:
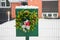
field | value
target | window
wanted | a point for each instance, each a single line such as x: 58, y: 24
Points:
x: 2, y: 3
x: 24, y: 3
x: 55, y: 15
x: 44, y: 15
x: 7, y: 3
x: 49, y: 15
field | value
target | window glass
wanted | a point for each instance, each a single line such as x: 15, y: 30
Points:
x: 44, y: 15
x: 24, y: 3
x: 49, y: 15
x: 55, y: 15
x: 7, y: 3
x: 2, y: 3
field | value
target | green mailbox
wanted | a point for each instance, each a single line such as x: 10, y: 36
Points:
x: 26, y: 21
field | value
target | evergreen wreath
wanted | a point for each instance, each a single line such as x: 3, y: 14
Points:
x: 26, y: 20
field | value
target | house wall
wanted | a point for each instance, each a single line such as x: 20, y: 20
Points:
x: 36, y: 3
x: 33, y: 3
x: 13, y: 5
x: 59, y: 8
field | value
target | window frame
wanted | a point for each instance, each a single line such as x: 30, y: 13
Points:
x: 49, y: 15
x: 5, y: 4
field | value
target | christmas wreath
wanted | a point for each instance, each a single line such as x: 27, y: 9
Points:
x: 26, y: 20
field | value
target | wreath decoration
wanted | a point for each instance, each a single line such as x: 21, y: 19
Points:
x: 26, y: 20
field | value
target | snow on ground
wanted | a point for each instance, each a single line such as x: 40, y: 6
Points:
x: 49, y: 29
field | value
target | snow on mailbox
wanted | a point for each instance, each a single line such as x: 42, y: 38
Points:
x: 26, y: 21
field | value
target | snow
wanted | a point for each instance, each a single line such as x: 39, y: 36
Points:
x: 26, y: 7
x: 49, y: 29
x: 17, y: 1
x: 14, y: 1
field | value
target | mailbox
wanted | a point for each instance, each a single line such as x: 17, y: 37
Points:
x: 26, y: 21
